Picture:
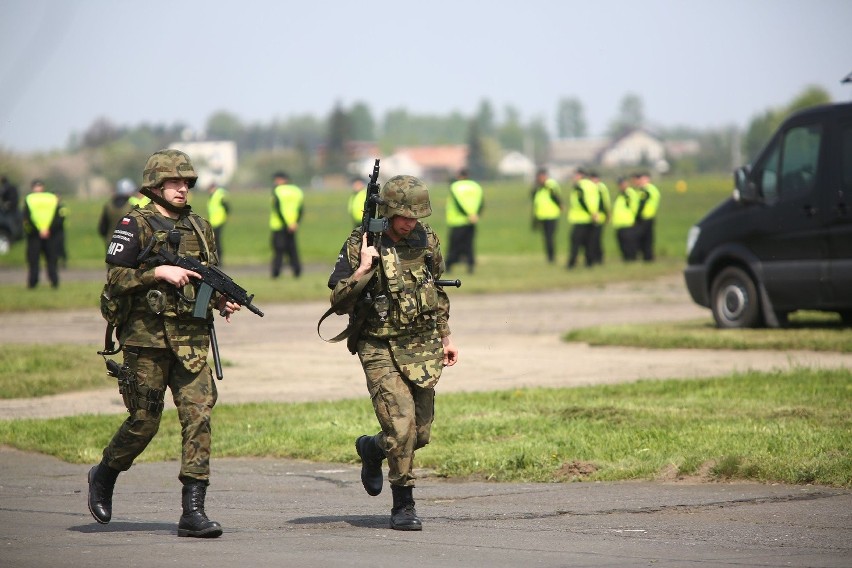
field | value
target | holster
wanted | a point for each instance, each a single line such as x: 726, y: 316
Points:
x: 133, y: 394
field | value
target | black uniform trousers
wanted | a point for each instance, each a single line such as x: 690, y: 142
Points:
x: 461, y: 246
x: 645, y: 238
x: 36, y: 248
x: 581, y: 238
x: 548, y: 229
x: 284, y: 242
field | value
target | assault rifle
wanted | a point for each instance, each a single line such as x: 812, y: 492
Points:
x: 211, y: 279
x: 371, y: 224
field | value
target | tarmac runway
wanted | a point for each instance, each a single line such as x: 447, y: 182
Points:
x: 292, y: 513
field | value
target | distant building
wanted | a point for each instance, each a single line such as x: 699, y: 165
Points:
x: 637, y: 147
x: 516, y: 164
x: 215, y: 161
x: 634, y: 148
x: 434, y: 163
x: 566, y: 154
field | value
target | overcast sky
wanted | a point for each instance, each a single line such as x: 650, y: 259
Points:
x: 702, y: 63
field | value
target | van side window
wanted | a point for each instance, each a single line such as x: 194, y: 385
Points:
x: 799, y: 160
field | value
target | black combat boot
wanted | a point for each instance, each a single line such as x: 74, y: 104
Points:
x: 101, y: 483
x: 371, y: 455
x: 194, y: 521
x: 403, y: 515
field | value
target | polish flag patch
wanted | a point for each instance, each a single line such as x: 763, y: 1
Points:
x: 125, y: 221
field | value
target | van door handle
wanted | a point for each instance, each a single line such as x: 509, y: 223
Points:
x: 810, y: 211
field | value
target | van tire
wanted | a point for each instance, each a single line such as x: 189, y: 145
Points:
x: 734, y: 299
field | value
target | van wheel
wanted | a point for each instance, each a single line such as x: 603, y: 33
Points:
x: 734, y: 299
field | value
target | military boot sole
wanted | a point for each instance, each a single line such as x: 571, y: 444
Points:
x: 371, y: 472
x: 101, y: 520
x: 407, y: 525
x: 210, y: 532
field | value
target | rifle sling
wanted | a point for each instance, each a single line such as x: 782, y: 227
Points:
x: 356, y: 322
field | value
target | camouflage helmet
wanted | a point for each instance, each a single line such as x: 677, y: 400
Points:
x: 406, y: 196
x: 168, y: 164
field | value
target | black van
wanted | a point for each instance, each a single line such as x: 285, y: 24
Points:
x: 783, y: 242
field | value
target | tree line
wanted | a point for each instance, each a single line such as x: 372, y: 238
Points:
x: 296, y: 143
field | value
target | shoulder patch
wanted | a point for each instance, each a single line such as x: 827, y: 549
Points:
x: 123, y: 247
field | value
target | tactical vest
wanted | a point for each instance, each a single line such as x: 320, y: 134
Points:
x: 405, y: 298
x: 192, y: 244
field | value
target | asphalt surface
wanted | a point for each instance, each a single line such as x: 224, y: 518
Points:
x: 291, y: 513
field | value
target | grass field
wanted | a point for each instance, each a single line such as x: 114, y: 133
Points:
x: 789, y: 427
x: 510, y: 254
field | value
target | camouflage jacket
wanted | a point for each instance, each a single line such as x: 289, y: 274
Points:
x: 403, y: 305
x: 159, y: 316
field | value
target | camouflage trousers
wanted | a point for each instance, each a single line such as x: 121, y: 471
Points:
x: 194, y: 395
x: 404, y: 410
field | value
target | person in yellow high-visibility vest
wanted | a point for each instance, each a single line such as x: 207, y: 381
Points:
x: 604, y: 208
x: 583, y: 213
x: 41, y: 224
x: 625, y: 205
x: 218, y: 208
x: 649, y: 203
x: 547, y: 207
x: 464, y: 207
x: 284, y: 219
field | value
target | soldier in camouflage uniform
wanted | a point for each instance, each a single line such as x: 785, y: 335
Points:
x: 163, y: 345
x: 404, y: 341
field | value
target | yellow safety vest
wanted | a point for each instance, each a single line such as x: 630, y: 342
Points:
x: 651, y: 196
x: 217, y: 213
x: 468, y: 194
x: 356, y: 205
x: 605, y: 207
x: 624, y: 208
x: 585, y: 202
x: 290, y: 199
x: 42, y: 207
x: 544, y: 207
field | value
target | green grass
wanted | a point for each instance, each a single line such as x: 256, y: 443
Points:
x: 791, y: 427
x: 28, y: 371
x: 810, y: 331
